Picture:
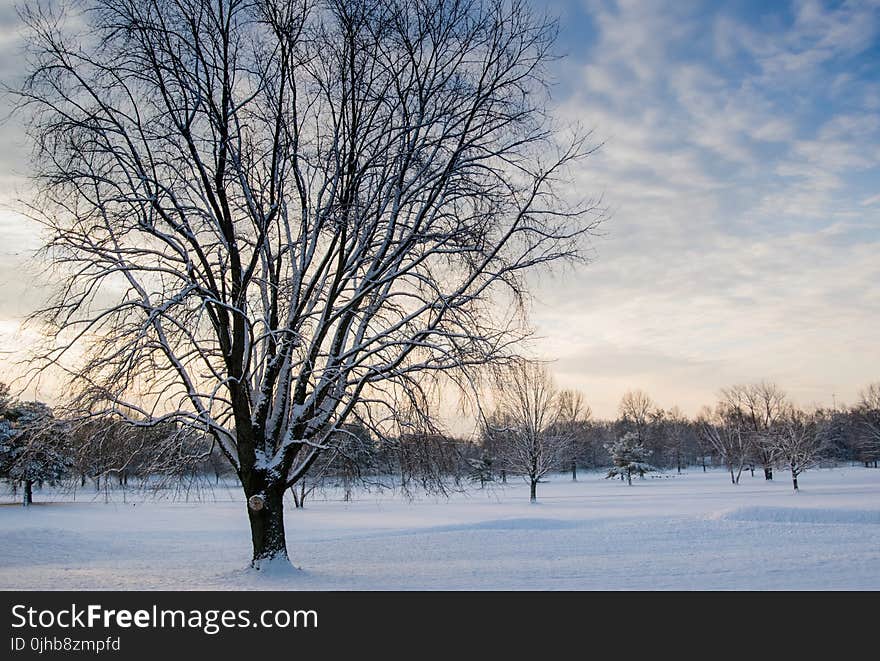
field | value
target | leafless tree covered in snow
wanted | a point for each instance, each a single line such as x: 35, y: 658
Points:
x: 723, y: 432
x: 274, y: 217
x: 525, y: 424
x: 758, y: 409
x: 574, y: 416
x: 799, y: 445
x: 637, y: 410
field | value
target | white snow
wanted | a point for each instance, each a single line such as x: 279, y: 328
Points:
x: 689, y: 532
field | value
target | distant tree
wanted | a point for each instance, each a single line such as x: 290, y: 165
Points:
x: 759, y: 408
x: 525, y: 425
x: 637, y: 410
x: 722, y: 430
x: 630, y: 456
x: 352, y: 453
x: 32, y: 447
x: 678, y: 437
x: 481, y: 469
x: 867, y: 413
x: 838, y: 430
x: 798, y: 443
x: 574, y: 417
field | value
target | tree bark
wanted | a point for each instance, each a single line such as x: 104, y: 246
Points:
x: 533, y: 491
x: 574, y: 471
x: 28, y: 493
x: 794, y: 481
x: 768, y: 472
x: 629, y: 478
x: 267, y: 528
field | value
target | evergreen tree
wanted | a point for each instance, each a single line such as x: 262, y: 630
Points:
x: 32, y: 446
x: 629, y: 455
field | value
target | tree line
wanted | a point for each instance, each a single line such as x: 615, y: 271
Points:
x: 533, y: 429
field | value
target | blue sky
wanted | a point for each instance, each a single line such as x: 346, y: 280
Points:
x: 741, y: 167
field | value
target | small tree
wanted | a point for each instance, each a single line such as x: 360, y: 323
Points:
x: 629, y: 455
x: 32, y: 447
x: 480, y: 469
x: 574, y: 416
x: 758, y: 409
x: 798, y: 444
x: 525, y: 427
x: 637, y: 410
x: 678, y: 437
x: 723, y: 432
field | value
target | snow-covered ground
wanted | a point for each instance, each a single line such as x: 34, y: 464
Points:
x: 690, y: 532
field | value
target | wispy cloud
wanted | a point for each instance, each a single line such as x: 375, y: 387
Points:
x: 741, y: 161
x: 741, y: 154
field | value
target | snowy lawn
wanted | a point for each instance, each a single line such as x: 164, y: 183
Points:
x: 692, y: 532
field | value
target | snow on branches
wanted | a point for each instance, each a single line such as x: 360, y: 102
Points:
x: 630, y: 456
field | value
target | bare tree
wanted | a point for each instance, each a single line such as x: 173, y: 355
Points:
x: 679, y: 433
x: 525, y: 426
x: 276, y: 216
x: 867, y: 412
x: 637, y: 410
x: 723, y: 432
x: 799, y: 444
x: 759, y: 407
x: 574, y: 415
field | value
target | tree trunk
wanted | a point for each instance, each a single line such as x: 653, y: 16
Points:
x: 299, y: 498
x: 732, y: 478
x: 503, y: 476
x: 629, y: 478
x: 574, y: 471
x: 28, y: 493
x: 533, y: 491
x: 267, y: 528
x: 768, y: 472
x: 794, y: 481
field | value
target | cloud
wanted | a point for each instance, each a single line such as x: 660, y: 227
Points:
x: 739, y: 161
x: 740, y: 165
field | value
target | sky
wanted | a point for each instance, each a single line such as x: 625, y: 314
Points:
x: 740, y: 166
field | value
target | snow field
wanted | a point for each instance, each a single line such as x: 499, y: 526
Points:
x: 695, y: 531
